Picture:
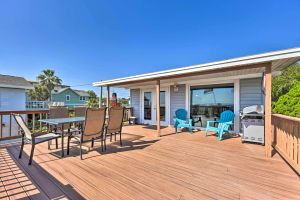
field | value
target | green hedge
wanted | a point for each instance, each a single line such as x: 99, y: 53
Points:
x: 289, y: 103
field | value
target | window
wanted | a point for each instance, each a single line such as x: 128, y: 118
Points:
x: 207, y: 102
x: 82, y: 98
x: 67, y: 97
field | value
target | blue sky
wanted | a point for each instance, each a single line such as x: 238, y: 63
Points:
x: 86, y: 41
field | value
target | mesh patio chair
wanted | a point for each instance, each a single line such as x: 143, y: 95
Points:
x: 115, y: 122
x: 80, y: 111
x: 93, y: 129
x: 32, y: 138
x: 60, y: 112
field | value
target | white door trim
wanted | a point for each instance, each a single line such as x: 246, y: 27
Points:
x: 153, y: 105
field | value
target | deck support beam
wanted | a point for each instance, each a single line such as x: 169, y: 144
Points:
x: 107, y: 96
x: 268, y: 107
x: 100, y: 96
x: 158, y: 107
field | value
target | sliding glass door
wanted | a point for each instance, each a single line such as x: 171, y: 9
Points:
x: 207, y: 102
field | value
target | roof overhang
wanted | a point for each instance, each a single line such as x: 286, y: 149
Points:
x: 15, y: 87
x: 278, y: 60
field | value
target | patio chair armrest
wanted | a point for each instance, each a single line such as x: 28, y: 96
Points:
x: 37, y: 134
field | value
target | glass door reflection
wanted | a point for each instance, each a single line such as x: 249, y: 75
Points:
x: 162, y: 105
x: 147, y: 105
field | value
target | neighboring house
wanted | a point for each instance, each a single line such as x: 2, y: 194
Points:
x: 204, y: 90
x: 12, y: 98
x: 61, y: 95
x: 32, y: 104
x: 70, y: 97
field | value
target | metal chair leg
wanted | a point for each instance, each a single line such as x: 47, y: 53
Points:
x: 56, y: 143
x: 80, y: 151
x: 110, y: 137
x: 21, y: 148
x: 31, y: 154
x: 92, y: 145
x: 68, y: 145
x: 120, y: 139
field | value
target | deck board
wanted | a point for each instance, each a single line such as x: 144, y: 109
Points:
x: 173, y: 166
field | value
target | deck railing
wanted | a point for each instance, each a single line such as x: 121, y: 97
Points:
x: 9, y: 129
x: 286, y: 138
x: 34, y: 105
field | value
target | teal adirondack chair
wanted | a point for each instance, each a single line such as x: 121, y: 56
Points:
x: 181, y: 120
x: 226, y: 120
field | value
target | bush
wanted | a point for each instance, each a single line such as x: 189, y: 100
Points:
x: 283, y: 83
x: 289, y: 103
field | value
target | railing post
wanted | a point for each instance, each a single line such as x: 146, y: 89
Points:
x: 158, y: 107
x: 107, y: 96
x: 100, y: 96
x: 268, y: 106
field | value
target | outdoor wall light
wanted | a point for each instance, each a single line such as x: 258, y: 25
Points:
x: 175, y: 88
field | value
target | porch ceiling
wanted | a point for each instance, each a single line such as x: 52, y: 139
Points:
x: 249, y: 65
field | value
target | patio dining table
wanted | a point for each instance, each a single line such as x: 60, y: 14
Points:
x: 62, y: 122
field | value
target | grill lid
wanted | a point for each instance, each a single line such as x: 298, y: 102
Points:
x: 253, y: 110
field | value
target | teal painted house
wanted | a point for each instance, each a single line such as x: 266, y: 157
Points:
x: 70, y: 97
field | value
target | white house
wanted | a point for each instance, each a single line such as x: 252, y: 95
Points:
x: 12, y: 98
x: 205, y: 90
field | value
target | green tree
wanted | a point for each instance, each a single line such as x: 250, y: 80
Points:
x: 93, y: 100
x: 39, y: 93
x: 284, y: 82
x: 92, y: 94
x: 49, y: 80
x: 289, y: 103
x: 123, y: 101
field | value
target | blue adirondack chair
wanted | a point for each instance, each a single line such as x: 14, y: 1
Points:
x: 181, y: 120
x: 226, y: 120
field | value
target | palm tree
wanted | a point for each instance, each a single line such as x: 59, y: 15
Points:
x: 39, y: 93
x: 49, y: 80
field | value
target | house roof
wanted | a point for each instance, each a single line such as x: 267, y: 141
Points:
x: 8, y: 81
x: 79, y: 92
x: 82, y: 93
x: 279, y: 59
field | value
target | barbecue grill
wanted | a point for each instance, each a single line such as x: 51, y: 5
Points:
x: 253, y: 128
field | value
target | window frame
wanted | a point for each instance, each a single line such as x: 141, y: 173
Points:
x: 68, y: 97
x: 82, y: 98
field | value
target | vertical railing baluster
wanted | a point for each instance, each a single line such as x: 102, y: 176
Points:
x: 33, y: 122
x: 1, y: 129
x: 10, y: 124
x: 40, y: 122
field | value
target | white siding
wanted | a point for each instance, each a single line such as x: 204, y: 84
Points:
x: 250, y: 92
x: 11, y: 99
x: 135, y: 103
x: 177, y: 100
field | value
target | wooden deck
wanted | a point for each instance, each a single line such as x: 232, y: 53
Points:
x: 170, y: 167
